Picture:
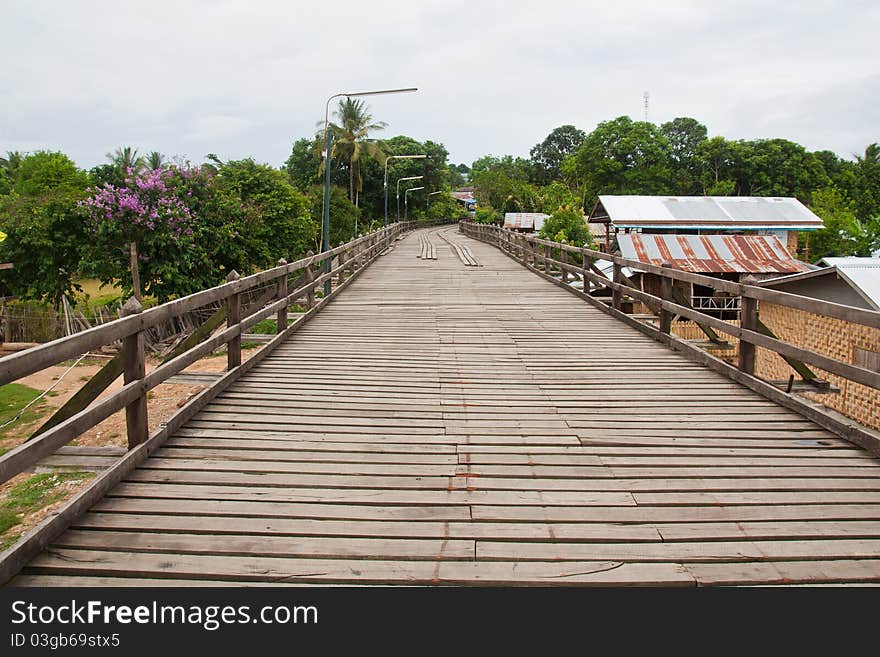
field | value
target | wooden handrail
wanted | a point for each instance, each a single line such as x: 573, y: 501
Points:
x: 354, y: 256
x: 666, y: 306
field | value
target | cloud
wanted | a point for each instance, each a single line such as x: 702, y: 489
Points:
x: 246, y: 79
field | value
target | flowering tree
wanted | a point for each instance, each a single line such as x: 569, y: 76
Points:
x: 147, y: 215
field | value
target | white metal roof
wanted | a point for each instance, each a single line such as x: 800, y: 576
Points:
x: 728, y: 212
x: 862, y: 273
x: 534, y: 220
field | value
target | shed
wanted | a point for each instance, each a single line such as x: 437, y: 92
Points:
x: 525, y: 221
x: 849, y: 281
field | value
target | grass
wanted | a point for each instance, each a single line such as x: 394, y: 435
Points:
x: 94, y: 293
x: 32, y: 494
x: 13, y: 398
x: 9, y: 540
x: 266, y: 327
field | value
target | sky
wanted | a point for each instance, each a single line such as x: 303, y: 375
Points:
x: 246, y: 78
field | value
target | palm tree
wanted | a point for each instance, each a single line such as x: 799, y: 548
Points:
x: 125, y: 158
x: 11, y: 162
x: 154, y: 160
x: 351, y: 138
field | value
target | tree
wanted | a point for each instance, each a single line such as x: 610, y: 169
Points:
x: 304, y: 164
x: 282, y: 226
x: 146, y: 216
x: 843, y: 234
x: 444, y: 206
x: 866, y: 190
x: 154, y: 160
x: 685, y: 135
x: 45, y: 232
x: 126, y: 158
x: 623, y: 156
x: 344, y: 215
x: 351, y: 139
x: 547, y: 157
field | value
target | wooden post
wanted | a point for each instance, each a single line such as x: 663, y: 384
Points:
x: 281, y: 320
x: 133, y: 369
x: 546, y: 259
x: 309, y: 276
x: 748, y: 319
x: 233, y: 317
x: 616, y: 295
x: 342, y: 266
x: 666, y: 284
x: 563, y: 256
x: 586, y: 261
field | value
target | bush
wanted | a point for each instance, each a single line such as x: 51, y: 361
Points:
x: 485, y: 216
x: 567, y: 224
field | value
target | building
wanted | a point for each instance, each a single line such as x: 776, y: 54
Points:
x: 728, y: 257
x: 525, y: 222
x: 848, y: 281
x: 465, y: 196
x: 704, y: 215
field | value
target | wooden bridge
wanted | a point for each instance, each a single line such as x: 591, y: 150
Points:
x: 450, y: 416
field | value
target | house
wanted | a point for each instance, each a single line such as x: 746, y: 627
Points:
x: 849, y: 281
x: 704, y: 215
x: 526, y: 222
x: 465, y: 196
x: 728, y: 257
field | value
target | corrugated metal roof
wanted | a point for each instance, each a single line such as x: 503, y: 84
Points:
x: 744, y: 254
x: 729, y: 212
x: 523, y: 220
x: 862, y: 273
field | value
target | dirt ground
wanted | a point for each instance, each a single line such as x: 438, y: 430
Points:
x: 162, y: 402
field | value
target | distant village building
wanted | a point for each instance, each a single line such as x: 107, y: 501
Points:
x: 465, y: 196
x: 704, y: 215
x: 525, y: 222
x: 728, y: 257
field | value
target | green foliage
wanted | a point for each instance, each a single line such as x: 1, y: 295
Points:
x: 484, y: 215
x: 265, y: 327
x: 685, y: 135
x: 843, y: 234
x: 444, y: 206
x: 623, y: 156
x: 557, y: 195
x: 546, y: 157
x: 502, y: 183
x: 344, y: 216
x: 567, y: 224
x: 278, y: 216
x: 351, y: 139
x: 45, y: 230
x: 304, y: 164
x: 47, y: 172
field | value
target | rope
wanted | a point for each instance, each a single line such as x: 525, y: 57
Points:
x: 42, y: 394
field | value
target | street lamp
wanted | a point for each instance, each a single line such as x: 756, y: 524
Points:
x: 428, y: 197
x: 399, y: 180
x: 325, y: 228
x: 406, y: 199
x: 385, y: 179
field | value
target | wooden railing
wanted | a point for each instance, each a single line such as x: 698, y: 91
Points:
x: 544, y: 257
x: 331, y: 270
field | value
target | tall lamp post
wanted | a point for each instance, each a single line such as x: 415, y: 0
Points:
x: 428, y: 198
x: 406, y: 199
x: 325, y: 228
x: 385, y: 178
x: 400, y: 180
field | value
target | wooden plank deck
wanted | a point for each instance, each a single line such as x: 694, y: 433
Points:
x: 441, y: 423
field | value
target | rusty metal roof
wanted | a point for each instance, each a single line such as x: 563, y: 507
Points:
x: 715, y: 254
x: 522, y: 220
x: 708, y: 212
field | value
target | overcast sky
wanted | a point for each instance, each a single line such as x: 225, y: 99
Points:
x: 247, y: 77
